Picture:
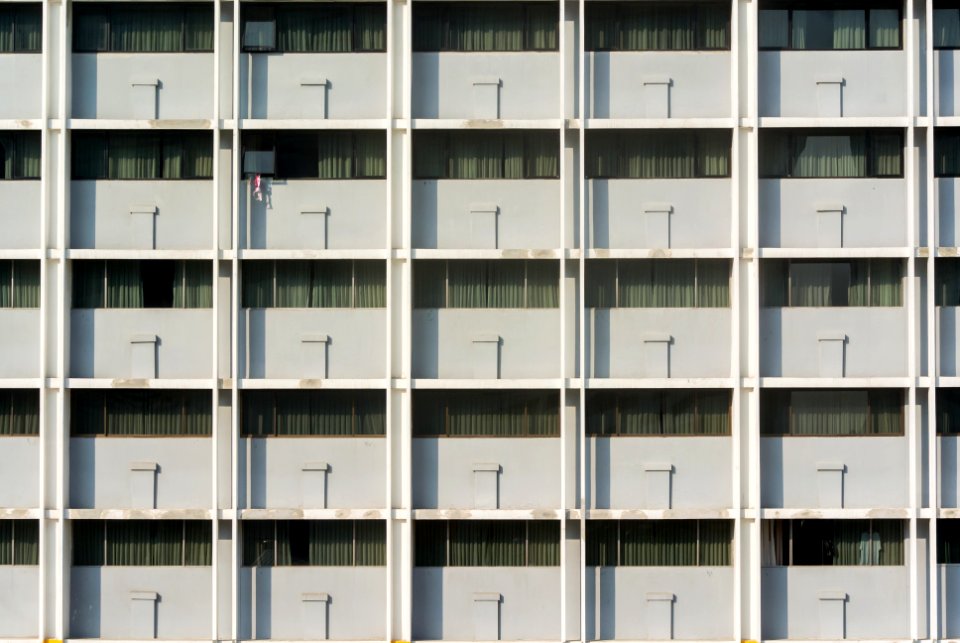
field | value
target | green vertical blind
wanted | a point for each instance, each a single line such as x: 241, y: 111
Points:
x: 19, y: 542
x: 825, y: 282
x: 824, y: 26
x: 659, y: 543
x: 487, y: 543
x: 317, y: 543
x: 948, y: 411
x: 485, y: 26
x: 837, y: 412
x: 658, y: 283
x: 658, y: 412
x: 139, y: 543
x: 658, y: 154
x: 333, y: 283
x: 21, y: 28
x: 142, y: 27
x: 831, y: 154
x: 315, y: 28
x: 486, y: 414
x: 312, y: 413
x: 19, y: 412
x: 946, y: 151
x: 657, y: 26
x: 186, y: 413
x: 948, y: 541
x: 861, y: 543
x: 529, y: 154
x: 324, y: 155
x: 142, y: 155
x: 19, y: 155
x: 132, y: 283
x: 19, y: 283
x: 480, y: 283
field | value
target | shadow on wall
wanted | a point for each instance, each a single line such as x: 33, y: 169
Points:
x: 601, y: 600
x: 771, y: 232
x: 426, y: 341
x: 86, y: 587
x: 599, y: 477
x: 947, y: 212
x: 598, y: 84
x: 771, y: 475
x: 428, y: 606
x: 83, y: 467
x: 771, y: 341
x: 775, y: 596
x: 426, y: 82
x: 770, y: 82
x: 598, y: 330
x: 426, y: 477
x: 426, y: 218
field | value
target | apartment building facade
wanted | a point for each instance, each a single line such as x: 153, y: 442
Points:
x: 475, y: 321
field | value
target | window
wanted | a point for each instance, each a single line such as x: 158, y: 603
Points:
x: 486, y: 543
x: 317, y: 543
x: 946, y: 147
x: 323, y: 155
x: 948, y: 411
x: 139, y: 156
x: 531, y: 154
x: 824, y: 282
x: 486, y: 414
x: 20, y: 28
x: 140, y: 413
x: 843, y: 412
x: 19, y: 155
x: 19, y: 412
x: 658, y: 283
x: 499, y: 283
x: 831, y: 542
x: 138, y: 543
x: 332, y: 283
x: 19, y: 542
x: 658, y: 154
x: 948, y: 542
x: 831, y: 154
x: 132, y: 283
x: 825, y: 26
x: 948, y: 282
x: 658, y: 543
x: 312, y: 413
x: 149, y: 27
x: 315, y: 28
x: 946, y: 25
x: 657, y: 26
x: 19, y: 283
x: 651, y: 412
x: 485, y: 26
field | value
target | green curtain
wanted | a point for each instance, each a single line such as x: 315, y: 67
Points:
x: 887, y: 155
x: 20, y: 28
x: 88, y: 283
x: 774, y: 29
x: 692, y: 412
x: 829, y: 156
x: 19, y: 155
x: 257, y: 278
x: 25, y: 542
x: 486, y: 413
x: 6, y: 284
x: 868, y: 542
x: 332, y: 284
x: 814, y: 412
x: 136, y: 29
x: 946, y: 28
x: 640, y: 413
x: 293, y: 413
x: 657, y: 283
x: 19, y: 412
x: 947, y: 147
x: 133, y: 156
x: 475, y: 155
x: 163, y: 414
x: 487, y: 543
x: 317, y: 413
x: 331, y: 543
x: 543, y: 543
x: 665, y: 543
x: 6, y: 542
x: 26, y: 284
x: 197, y: 543
x: 602, y: 547
x: 495, y: 284
x: 89, y: 541
x: 485, y: 28
x: 189, y: 156
x: 370, y: 543
x: 192, y: 284
x: 541, y: 156
x: 713, y: 409
x: 680, y: 413
x: 371, y: 154
x: 335, y: 155
x: 543, y: 290
x: 486, y: 155
x: 541, y: 27
x: 885, y: 28
x: 713, y: 283
x: 658, y: 154
x: 198, y: 28
x: 133, y: 543
x: 91, y: 28
x: 473, y: 415
x: 885, y: 282
x: 315, y: 29
x: 124, y: 284
x: 294, y: 284
x: 716, y: 537
x: 371, y: 284
x: 430, y: 543
x: 371, y: 414
x: 125, y: 413
x: 828, y: 29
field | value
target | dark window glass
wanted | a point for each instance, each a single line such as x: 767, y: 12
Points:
x: 140, y: 413
x: 830, y: 154
x: 948, y: 411
x: 947, y: 152
x: 341, y: 27
x: 486, y: 413
x: 818, y: 26
x: 480, y: 283
x: 312, y: 413
x: 21, y: 28
x: 837, y: 412
x: 314, y: 543
x: 154, y: 283
x: 653, y: 412
x: 323, y: 155
x: 331, y: 283
x: 948, y: 542
x: 658, y: 154
x: 486, y: 543
x: 659, y: 543
x: 826, y: 282
x: 832, y: 542
x: 476, y: 155
x: 19, y: 542
x: 142, y: 27
x: 139, y: 156
x: 657, y: 26
x: 19, y: 283
x: 658, y: 283
x: 19, y: 156
x: 134, y: 543
x: 485, y: 26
